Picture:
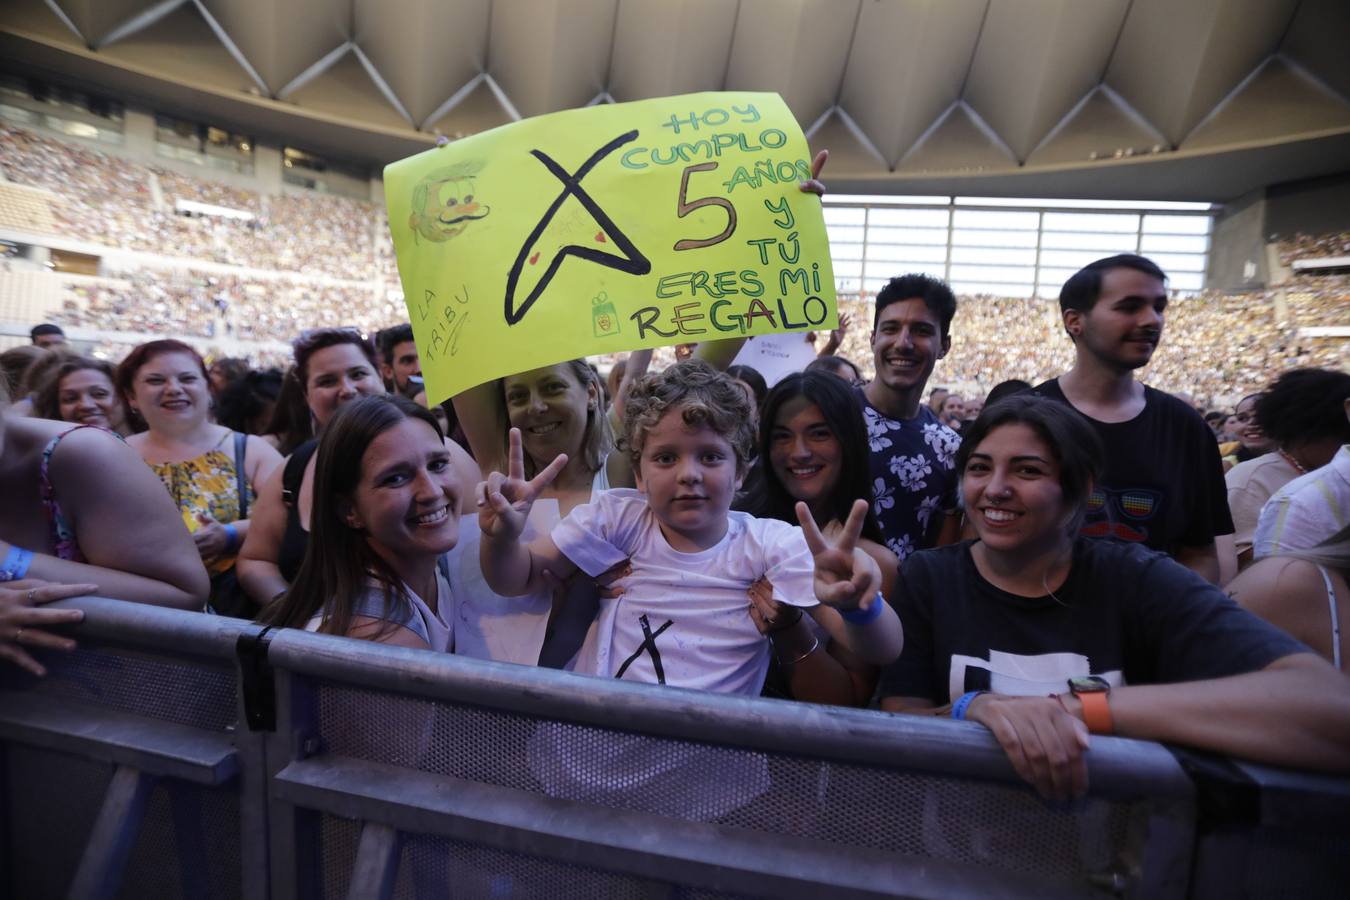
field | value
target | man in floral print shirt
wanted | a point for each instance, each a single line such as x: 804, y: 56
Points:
x: 913, y: 454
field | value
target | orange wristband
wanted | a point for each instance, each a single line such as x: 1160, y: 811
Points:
x: 1096, y: 712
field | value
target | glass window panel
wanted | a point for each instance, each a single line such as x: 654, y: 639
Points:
x: 887, y: 271
x: 1179, y: 262
x: 1107, y: 243
x: 985, y: 238
x: 846, y: 251
x: 1069, y: 259
x: 847, y: 215
x: 1171, y: 243
x: 846, y: 233
x: 914, y: 218
x: 1176, y: 224
x: 872, y: 285
x: 983, y: 218
x: 994, y: 273
x: 847, y: 285
x: 903, y: 252
x: 1187, y: 281
x: 990, y: 256
x: 1055, y: 278
x: 877, y: 235
x: 998, y: 288
x: 846, y: 267
x: 1115, y: 223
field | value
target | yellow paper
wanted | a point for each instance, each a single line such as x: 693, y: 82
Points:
x: 605, y: 229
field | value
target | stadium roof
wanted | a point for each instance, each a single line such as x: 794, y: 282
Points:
x: 1146, y: 99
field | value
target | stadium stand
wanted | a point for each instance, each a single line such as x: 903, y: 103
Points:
x: 292, y: 261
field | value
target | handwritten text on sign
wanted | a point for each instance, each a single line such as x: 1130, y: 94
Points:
x: 605, y: 229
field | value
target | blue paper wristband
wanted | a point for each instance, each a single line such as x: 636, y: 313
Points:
x: 864, y: 616
x: 16, y: 564
x: 231, y: 538
x: 959, y: 707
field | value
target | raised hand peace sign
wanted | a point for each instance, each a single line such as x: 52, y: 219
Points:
x: 814, y: 185
x: 504, y: 501
x: 846, y: 577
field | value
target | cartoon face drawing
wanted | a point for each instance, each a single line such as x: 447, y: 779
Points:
x: 443, y: 202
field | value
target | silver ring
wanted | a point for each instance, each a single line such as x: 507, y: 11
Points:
x: 32, y: 595
x: 18, y: 634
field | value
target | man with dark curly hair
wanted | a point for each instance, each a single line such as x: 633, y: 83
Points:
x: 1303, y: 413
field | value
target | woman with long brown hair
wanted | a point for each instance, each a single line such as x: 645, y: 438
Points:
x: 333, y: 367
x: 386, y: 506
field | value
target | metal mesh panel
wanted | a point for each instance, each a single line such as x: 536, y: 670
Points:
x: 53, y: 801
x: 173, y: 691
x: 338, y: 839
x: 1003, y: 827
x: 188, y: 845
x: 438, y: 867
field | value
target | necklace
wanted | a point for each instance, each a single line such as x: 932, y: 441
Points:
x: 1289, y: 458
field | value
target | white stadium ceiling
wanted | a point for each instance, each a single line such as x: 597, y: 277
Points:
x: 1148, y: 99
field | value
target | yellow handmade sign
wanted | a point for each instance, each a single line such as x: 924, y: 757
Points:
x: 605, y: 229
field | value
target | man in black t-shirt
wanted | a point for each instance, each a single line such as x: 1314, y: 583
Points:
x: 1163, y: 479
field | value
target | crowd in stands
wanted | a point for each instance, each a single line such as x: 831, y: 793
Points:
x: 1313, y: 246
x: 108, y: 200
x: 1220, y: 343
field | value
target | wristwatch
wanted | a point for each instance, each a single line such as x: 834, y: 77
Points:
x: 1092, y: 691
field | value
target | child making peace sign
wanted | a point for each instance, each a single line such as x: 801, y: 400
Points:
x: 682, y: 615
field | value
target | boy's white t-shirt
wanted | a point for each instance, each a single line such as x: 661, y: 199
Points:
x: 710, y: 642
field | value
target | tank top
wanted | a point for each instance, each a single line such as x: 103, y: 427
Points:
x: 295, y: 538
x: 209, y: 485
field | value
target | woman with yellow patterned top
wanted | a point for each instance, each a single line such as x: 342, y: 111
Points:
x: 208, y: 469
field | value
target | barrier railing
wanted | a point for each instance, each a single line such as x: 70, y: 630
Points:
x: 134, y: 769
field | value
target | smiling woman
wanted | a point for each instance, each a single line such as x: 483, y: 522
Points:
x: 208, y: 470
x: 386, y: 501
x: 1044, y: 636
x: 82, y: 391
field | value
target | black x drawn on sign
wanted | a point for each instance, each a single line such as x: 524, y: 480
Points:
x: 648, y: 645
x: 632, y: 262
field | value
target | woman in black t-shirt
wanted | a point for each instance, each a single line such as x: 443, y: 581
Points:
x: 1043, y: 637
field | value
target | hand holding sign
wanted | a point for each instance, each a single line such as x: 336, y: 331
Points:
x: 504, y: 501
x: 846, y: 577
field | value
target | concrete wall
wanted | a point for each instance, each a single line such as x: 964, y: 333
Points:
x: 1237, y: 257
x: 1314, y: 206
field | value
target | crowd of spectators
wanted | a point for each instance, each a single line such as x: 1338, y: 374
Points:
x: 1313, y: 246
x: 108, y: 200
x: 1217, y: 344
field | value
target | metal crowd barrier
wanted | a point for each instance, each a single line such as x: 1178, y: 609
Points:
x: 178, y: 754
